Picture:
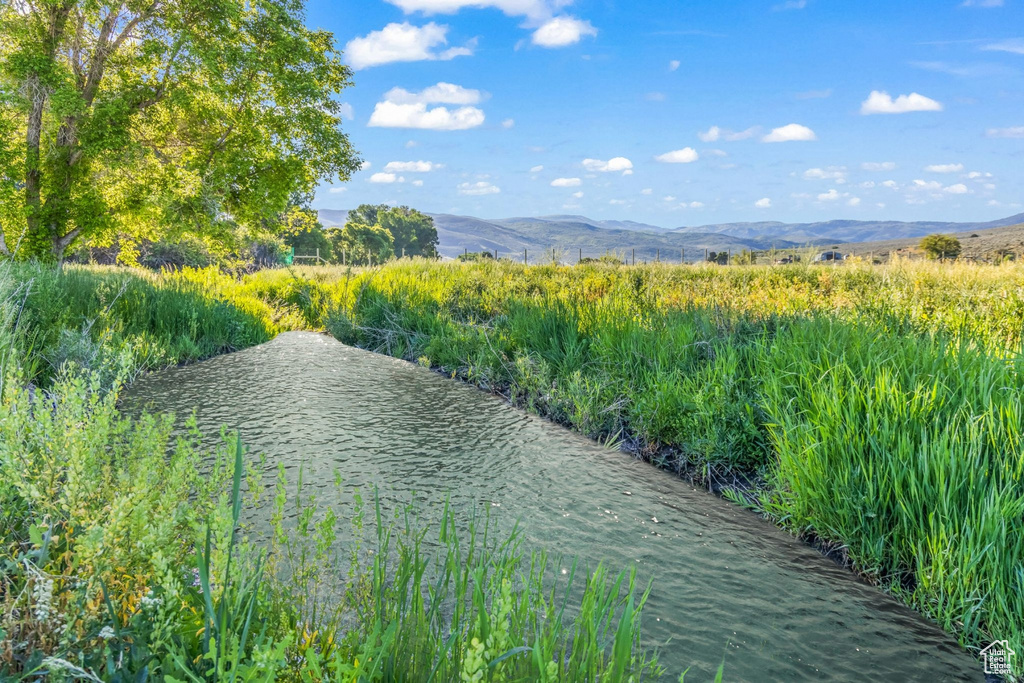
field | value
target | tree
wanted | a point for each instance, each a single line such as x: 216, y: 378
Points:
x: 304, y: 233
x: 142, y: 117
x: 358, y: 243
x: 941, y: 246
x: 414, y: 232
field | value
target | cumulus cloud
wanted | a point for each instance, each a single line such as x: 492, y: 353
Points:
x: 891, y: 184
x: 481, y: 187
x: 931, y: 185
x: 536, y: 169
x: 417, y: 183
x: 830, y: 196
x: 404, y: 109
x: 674, y: 64
x: 881, y: 102
x: 562, y: 31
x: 508, y: 123
x: 686, y: 155
x: 763, y: 203
x: 711, y: 135
x: 614, y: 165
x: 577, y: 195
x: 566, y: 182
x: 386, y: 178
x: 412, y: 166
x: 853, y: 201
x: 836, y: 173
x: 647, y: 191
x: 668, y: 198
x: 959, y: 188
x: 695, y: 205
x: 336, y: 190
x: 944, y: 168
x: 1012, y: 132
x: 346, y: 111
x: 402, y: 43
x: 793, y: 132
x: 878, y: 165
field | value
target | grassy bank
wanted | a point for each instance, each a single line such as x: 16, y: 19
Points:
x: 123, y: 555
x: 878, y: 409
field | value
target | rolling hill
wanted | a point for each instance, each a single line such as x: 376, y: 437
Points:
x: 569, y: 235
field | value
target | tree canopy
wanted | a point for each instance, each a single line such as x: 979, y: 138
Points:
x: 941, y: 246
x: 358, y: 243
x: 413, y: 232
x: 146, y: 117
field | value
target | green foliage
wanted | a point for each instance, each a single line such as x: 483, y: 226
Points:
x: 941, y: 246
x: 362, y: 244
x: 144, y: 120
x: 303, y: 233
x: 413, y: 233
x: 878, y: 408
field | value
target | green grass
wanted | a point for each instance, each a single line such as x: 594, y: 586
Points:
x: 123, y: 556
x: 879, y: 408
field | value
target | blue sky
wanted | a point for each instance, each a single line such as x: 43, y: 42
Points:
x: 685, y: 113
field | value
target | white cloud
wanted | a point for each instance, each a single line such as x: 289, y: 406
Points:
x: 411, y: 143
x: 696, y: 205
x: 1016, y: 46
x: 853, y: 201
x: 668, y: 198
x: 829, y: 196
x: 365, y: 165
x: 577, y: 195
x: 404, y: 109
x: 442, y: 93
x: 931, y: 185
x: 533, y: 9
x: 982, y: 3
x: 1012, y: 132
x: 674, y: 64
x: 402, y: 43
x: 508, y: 123
x: 881, y: 102
x: 614, y: 165
x: 562, y: 31
x: 764, y: 203
x: 386, y: 178
x: 417, y: 183
x: 711, y: 135
x: 975, y: 175
x: 793, y: 132
x: 959, y: 188
x: 478, y: 188
x: 617, y: 202
x: 686, y: 155
x: 836, y: 173
x: 944, y: 168
x: 891, y: 184
x: 412, y: 166
x: 336, y: 190
x: 566, y: 182
x: 346, y: 111
x: 790, y: 4
x: 536, y: 169
x: 647, y: 191
x: 878, y: 165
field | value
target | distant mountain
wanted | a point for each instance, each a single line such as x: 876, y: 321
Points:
x: 567, y: 235
x: 845, y: 231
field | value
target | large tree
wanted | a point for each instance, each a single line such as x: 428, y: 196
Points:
x: 414, y: 232
x: 141, y: 117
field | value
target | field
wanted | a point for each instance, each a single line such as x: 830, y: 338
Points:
x: 876, y: 410
x: 122, y: 555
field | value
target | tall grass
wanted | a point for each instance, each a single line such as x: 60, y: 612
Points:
x: 879, y: 408
x: 124, y: 555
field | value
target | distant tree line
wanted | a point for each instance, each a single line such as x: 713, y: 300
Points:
x: 372, y: 234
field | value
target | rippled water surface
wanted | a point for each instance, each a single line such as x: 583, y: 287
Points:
x: 726, y: 583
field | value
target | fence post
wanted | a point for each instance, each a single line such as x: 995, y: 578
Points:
x: 705, y: 253
x: 657, y: 255
x: 495, y: 254
x: 581, y: 256
x: 634, y: 256
x: 524, y: 258
x: 682, y: 257
x: 318, y: 256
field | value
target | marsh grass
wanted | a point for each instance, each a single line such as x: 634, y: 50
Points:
x: 876, y: 409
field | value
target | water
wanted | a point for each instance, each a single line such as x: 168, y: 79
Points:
x: 726, y: 583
